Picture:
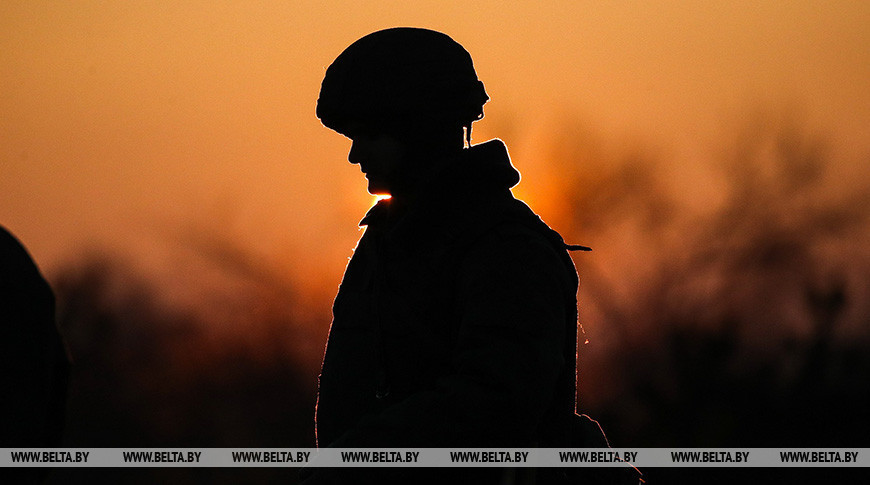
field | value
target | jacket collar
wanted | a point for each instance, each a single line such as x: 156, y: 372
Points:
x: 477, y: 173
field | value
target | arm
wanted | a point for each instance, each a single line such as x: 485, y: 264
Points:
x: 512, y: 288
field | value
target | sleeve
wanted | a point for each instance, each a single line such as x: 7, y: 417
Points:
x: 508, y: 355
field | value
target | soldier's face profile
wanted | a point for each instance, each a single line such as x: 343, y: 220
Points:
x: 379, y: 156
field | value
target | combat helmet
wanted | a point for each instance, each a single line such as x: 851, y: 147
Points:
x: 401, y: 75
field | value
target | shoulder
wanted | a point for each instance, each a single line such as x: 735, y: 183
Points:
x: 514, y: 243
x: 508, y: 226
x: 17, y: 268
x: 515, y: 246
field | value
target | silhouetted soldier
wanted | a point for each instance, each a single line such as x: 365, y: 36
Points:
x: 455, y: 324
x: 34, y: 364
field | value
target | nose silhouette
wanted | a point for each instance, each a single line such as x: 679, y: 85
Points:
x: 353, y: 156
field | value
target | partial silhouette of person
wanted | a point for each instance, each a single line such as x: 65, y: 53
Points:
x: 35, y: 366
x: 455, y: 324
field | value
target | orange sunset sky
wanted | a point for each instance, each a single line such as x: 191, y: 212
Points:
x: 122, y: 120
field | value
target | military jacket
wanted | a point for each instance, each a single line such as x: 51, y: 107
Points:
x: 455, y: 323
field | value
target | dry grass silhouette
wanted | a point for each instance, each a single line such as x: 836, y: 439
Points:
x: 741, y: 325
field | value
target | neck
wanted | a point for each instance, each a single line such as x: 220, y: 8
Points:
x: 419, y: 181
x: 427, y: 150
